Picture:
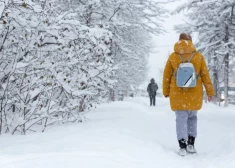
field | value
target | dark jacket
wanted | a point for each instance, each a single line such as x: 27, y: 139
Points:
x: 152, y: 89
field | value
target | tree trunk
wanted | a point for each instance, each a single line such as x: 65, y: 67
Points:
x: 1, y: 112
x: 226, y: 70
x: 111, y: 95
x: 81, y: 105
x: 216, y: 81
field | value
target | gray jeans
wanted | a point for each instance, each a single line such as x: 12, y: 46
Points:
x: 186, y: 124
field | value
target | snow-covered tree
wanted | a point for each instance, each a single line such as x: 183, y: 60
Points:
x: 131, y: 23
x: 61, y: 57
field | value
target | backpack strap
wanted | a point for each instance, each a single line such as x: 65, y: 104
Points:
x: 190, y: 59
x: 181, y: 58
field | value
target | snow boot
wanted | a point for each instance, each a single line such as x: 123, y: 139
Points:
x: 190, y: 146
x: 183, y: 145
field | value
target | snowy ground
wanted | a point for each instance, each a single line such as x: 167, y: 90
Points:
x: 127, y: 134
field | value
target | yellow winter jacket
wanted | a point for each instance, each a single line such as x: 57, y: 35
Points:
x: 186, y: 98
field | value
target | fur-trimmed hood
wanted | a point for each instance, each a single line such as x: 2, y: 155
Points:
x: 184, y: 47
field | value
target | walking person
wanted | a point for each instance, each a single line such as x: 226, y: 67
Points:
x: 152, y: 91
x: 186, y: 98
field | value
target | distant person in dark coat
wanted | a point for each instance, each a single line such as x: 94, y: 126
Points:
x: 152, y: 90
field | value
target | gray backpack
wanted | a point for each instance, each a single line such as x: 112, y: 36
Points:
x: 186, y: 75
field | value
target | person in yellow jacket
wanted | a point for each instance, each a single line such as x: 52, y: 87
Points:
x: 185, y: 102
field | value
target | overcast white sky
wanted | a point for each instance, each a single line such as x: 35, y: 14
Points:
x: 164, y: 44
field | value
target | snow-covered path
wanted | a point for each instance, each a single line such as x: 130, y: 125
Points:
x: 125, y: 134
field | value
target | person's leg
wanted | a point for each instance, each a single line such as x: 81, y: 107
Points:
x: 192, y: 124
x: 154, y: 99
x: 182, y: 130
x: 192, y: 131
x: 151, y: 100
x: 181, y: 124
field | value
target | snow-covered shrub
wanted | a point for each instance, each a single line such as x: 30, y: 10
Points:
x: 57, y: 68
x: 59, y: 58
